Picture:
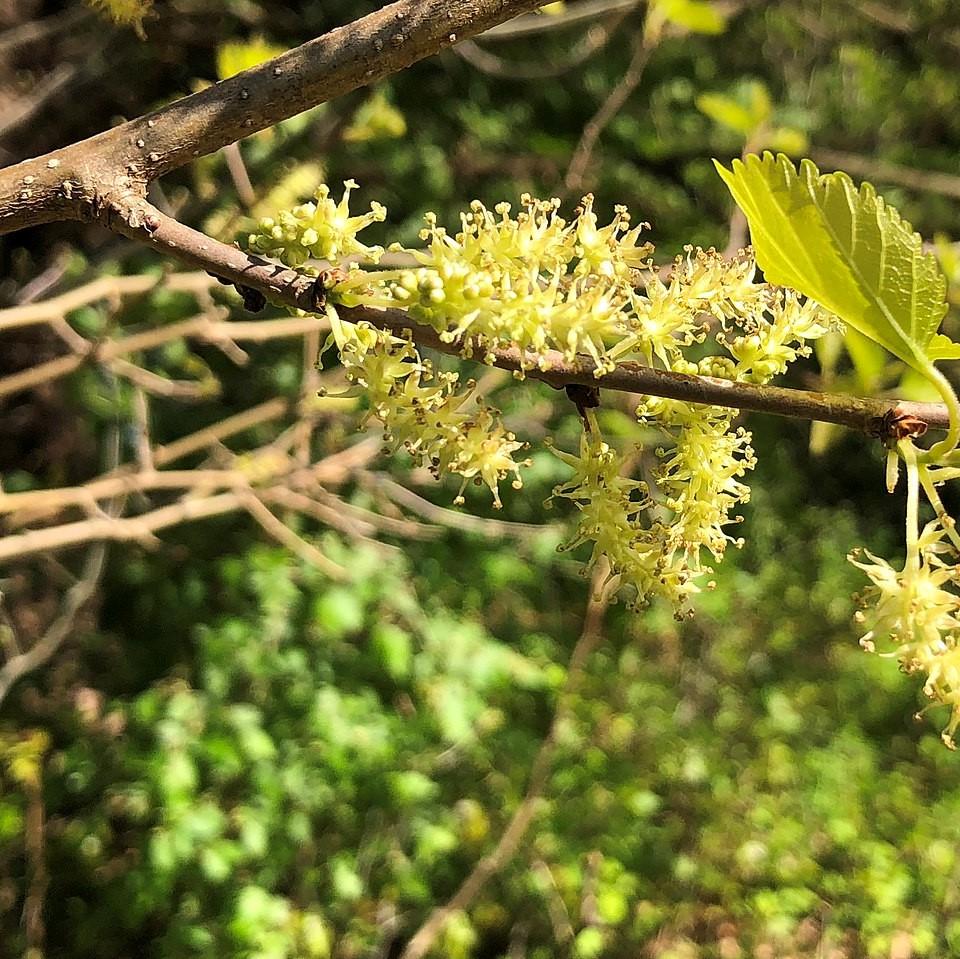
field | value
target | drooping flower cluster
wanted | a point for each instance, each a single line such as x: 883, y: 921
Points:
x: 422, y: 413
x: 913, y: 616
x: 613, y: 514
x: 559, y: 289
x: 700, y: 475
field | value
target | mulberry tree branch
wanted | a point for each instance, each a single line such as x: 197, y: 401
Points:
x: 105, y: 177
x: 883, y: 418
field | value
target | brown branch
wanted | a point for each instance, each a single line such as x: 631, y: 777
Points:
x: 105, y: 177
x: 489, y: 527
x: 290, y: 288
x: 643, y: 46
x: 39, y: 876
x: 946, y: 184
x: 423, y: 939
x: 104, y: 288
x: 108, y: 352
x: 77, y: 596
x: 533, y: 24
x: 287, y: 537
x: 594, y: 39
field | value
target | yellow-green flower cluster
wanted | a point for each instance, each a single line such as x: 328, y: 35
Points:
x: 700, y: 476
x: 915, y: 617
x: 422, y: 413
x: 654, y: 540
x: 534, y: 281
x: 613, y: 515
x: 321, y: 230
x: 775, y: 338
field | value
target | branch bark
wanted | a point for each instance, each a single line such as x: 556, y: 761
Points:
x: 876, y: 417
x: 105, y: 177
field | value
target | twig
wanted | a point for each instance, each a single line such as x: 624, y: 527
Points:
x: 132, y: 528
x: 331, y: 470
x: 594, y: 40
x: 643, y: 46
x: 200, y: 327
x: 141, y: 417
x: 563, y: 930
x: 50, y: 642
x: 238, y: 173
x: 533, y: 24
x: 287, y: 537
x: 186, y: 391
x: 353, y: 520
x: 491, y: 528
x: 39, y: 877
x: 105, y: 177
x: 591, y: 634
x: 104, y: 288
x: 290, y: 288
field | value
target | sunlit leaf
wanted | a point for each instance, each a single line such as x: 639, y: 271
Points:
x: 697, y: 16
x: 845, y: 248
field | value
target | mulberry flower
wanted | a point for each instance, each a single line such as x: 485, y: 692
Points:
x: 323, y: 230
x: 915, y: 618
x: 613, y: 515
x: 422, y: 413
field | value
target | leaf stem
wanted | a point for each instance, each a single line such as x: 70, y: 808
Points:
x: 949, y: 443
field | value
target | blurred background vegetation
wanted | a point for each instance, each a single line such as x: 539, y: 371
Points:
x: 231, y: 756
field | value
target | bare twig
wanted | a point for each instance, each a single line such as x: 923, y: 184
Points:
x: 946, y: 184
x: 287, y: 537
x: 592, y: 42
x: 77, y: 596
x: 38, y: 875
x: 533, y: 24
x: 238, y: 173
x: 104, y: 288
x: 511, y: 838
x: 643, y: 45
x: 563, y: 930
x: 491, y: 528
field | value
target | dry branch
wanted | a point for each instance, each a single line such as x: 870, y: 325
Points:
x: 516, y: 830
x: 105, y: 177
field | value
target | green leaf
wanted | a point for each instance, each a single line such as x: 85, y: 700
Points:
x: 845, y: 248
x: 697, y: 16
x: 726, y: 111
x: 745, y: 111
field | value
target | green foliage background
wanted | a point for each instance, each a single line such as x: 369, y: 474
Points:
x: 240, y: 760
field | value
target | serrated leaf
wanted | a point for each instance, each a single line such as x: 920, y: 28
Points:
x: 847, y: 249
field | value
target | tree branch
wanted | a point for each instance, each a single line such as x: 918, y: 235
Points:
x: 876, y: 417
x: 105, y: 177
x: 513, y: 835
x: 49, y: 643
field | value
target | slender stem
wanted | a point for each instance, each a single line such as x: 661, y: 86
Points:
x: 949, y: 443
x: 913, y: 505
x: 946, y: 520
